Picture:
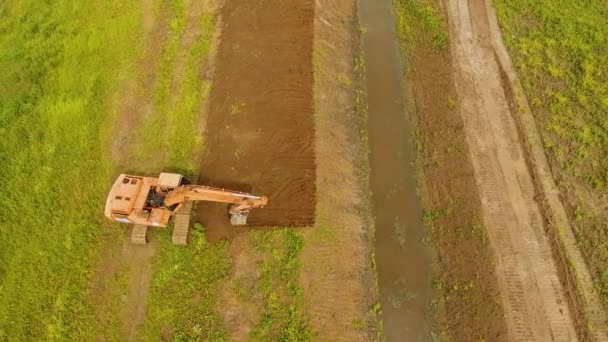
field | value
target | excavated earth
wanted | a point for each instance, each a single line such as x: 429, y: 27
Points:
x: 259, y: 128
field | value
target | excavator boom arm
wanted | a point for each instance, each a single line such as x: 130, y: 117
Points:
x: 242, y: 201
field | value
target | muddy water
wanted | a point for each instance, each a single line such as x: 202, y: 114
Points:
x: 403, y: 261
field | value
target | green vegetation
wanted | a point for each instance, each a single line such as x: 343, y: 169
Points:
x: 592, y: 238
x: 113, y: 328
x: 178, y: 98
x: 560, y: 50
x: 59, y: 64
x: 153, y: 130
x: 185, y: 290
x: 63, y: 70
x: 185, y: 112
x: 282, y: 317
x: 416, y: 15
x: 185, y: 282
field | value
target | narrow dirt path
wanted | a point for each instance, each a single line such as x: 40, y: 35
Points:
x: 138, y: 260
x: 136, y: 105
x: 240, y: 311
x: 121, y: 258
x: 534, y: 301
x: 191, y: 32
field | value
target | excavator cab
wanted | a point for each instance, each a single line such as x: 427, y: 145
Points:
x: 134, y: 199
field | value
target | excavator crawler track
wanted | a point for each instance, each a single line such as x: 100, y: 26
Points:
x: 139, y: 234
x: 181, y: 225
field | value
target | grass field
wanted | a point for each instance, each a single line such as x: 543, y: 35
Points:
x: 184, y: 290
x: 59, y: 65
x: 171, y: 128
x: 560, y: 50
x: 65, y: 67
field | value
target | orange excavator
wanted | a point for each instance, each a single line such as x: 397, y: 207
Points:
x: 148, y: 201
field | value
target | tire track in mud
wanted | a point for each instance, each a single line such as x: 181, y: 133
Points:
x: 139, y: 260
x: 534, y: 301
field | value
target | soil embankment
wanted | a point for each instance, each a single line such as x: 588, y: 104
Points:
x: 259, y: 130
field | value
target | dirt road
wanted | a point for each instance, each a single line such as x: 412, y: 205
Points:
x: 534, y: 300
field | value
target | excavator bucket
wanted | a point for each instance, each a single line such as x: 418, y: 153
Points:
x: 238, y: 219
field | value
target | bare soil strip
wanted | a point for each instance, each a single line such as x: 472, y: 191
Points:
x: 337, y: 275
x: 260, y: 125
x: 534, y: 300
x: 561, y: 228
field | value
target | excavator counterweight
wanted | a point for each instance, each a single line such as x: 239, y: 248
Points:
x: 153, y: 201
